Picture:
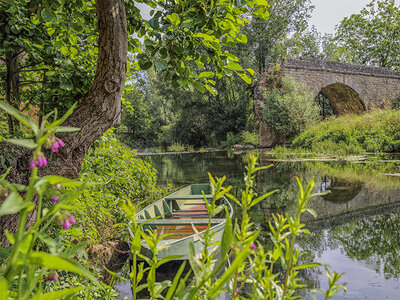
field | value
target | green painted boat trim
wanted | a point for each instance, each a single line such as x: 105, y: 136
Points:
x: 173, y: 215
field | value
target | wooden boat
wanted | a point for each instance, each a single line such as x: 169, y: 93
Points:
x: 177, y: 213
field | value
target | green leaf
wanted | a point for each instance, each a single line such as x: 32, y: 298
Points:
x: 64, y: 50
x: 64, y: 117
x: 219, y: 284
x: 174, y: 19
x: 145, y: 65
x: 13, y: 204
x: 73, y: 50
x: 206, y: 75
x: 257, y: 200
x: 210, y: 89
x: 61, y: 294
x: 92, y: 39
x: 27, y: 120
x: 161, y: 65
x: 175, y: 282
x: 261, y: 2
x: 26, y: 243
x: 227, y: 236
x: 245, y: 77
x: 199, y: 86
x: 306, y: 266
x: 67, y: 129
x: 3, y: 288
x: 241, y: 39
x: 234, y: 66
x: 154, y: 23
x: 57, y: 263
x: 54, y: 179
x: 10, y: 237
x: 77, y: 27
x: 251, y: 71
x: 27, y: 143
x: 47, y: 15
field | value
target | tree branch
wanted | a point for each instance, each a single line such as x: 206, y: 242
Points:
x: 29, y: 82
x: 32, y: 70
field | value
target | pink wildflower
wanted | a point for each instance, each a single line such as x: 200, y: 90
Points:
x: 52, y: 276
x: 61, y: 143
x: 58, y: 186
x: 253, y: 246
x: 54, y: 199
x: 66, y: 224
x: 72, y: 219
x: 32, y: 164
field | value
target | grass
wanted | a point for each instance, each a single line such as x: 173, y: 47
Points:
x: 176, y: 147
x: 378, y: 131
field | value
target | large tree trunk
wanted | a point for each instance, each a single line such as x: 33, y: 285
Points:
x: 98, y: 111
x: 101, y: 109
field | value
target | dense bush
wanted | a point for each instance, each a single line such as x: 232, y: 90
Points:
x: 120, y: 175
x: 377, y: 131
x: 289, y: 109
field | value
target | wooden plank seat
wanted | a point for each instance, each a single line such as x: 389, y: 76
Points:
x: 179, y: 232
x: 177, y: 222
x: 187, y: 197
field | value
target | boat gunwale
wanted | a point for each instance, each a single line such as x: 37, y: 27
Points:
x: 230, y: 210
x: 200, y: 232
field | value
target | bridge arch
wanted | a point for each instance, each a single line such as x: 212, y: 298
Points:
x: 343, y: 99
x: 349, y: 88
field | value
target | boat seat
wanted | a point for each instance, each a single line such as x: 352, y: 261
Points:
x: 177, y: 222
x: 188, y: 197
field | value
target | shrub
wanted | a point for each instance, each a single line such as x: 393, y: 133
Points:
x: 288, y: 110
x: 248, y: 138
x: 176, y: 147
x: 231, y: 139
x: 120, y: 175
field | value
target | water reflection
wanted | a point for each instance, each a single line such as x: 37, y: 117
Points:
x: 357, y: 228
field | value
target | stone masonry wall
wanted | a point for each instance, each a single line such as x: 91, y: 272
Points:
x: 375, y: 86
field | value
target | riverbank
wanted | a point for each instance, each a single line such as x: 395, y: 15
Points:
x: 375, y: 132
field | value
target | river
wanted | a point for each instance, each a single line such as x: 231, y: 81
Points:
x: 357, y: 228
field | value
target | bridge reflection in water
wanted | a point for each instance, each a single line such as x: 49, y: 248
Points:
x: 357, y: 229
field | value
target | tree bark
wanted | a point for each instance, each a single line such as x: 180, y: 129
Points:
x: 98, y: 111
x: 101, y: 109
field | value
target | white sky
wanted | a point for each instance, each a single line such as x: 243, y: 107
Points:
x: 328, y: 13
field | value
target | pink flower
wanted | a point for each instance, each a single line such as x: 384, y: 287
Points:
x: 52, y: 276
x: 61, y: 143
x: 253, y: 246
x: 66, y: 224
x: 117, y: 153
x: 54, y: 199
x: 32, y: 164
x: 41, y: 161
x: 58, y: 186
x: 72, y: 219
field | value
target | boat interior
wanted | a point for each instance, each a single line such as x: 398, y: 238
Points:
x: 179, y: 212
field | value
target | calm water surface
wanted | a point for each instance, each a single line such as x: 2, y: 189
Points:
x: 357, y: 229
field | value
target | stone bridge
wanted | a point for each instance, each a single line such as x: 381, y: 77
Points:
x: 349, y: 88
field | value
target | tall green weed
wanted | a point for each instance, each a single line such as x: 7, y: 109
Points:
x: 378, y: 131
